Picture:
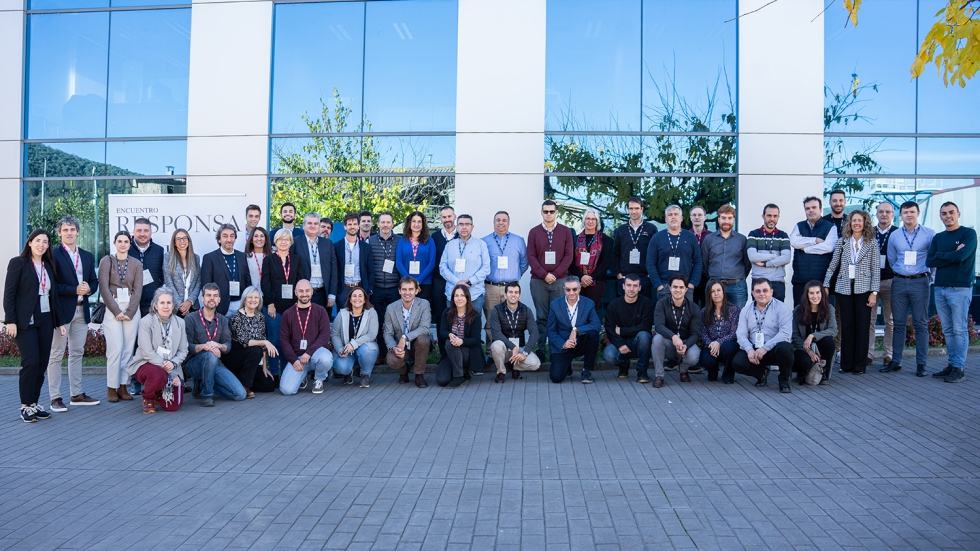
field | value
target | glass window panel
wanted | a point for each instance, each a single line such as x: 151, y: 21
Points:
x: 864, y: 155
x: 306, y: 72
x: 409, y: 153
x: 148, y: 73
x: 410, y: 66
x: 879, y: 51
x: 591, y: 153
x: 330, y: 155
x: 592, y: 72
x: 707, y: 154
x: 66, y: 4
x: 128, y: 3
x: 689, y: 65
x: 66, y: 79
x: 942, y: 108
x: 948, y: 156
x: 964, y: 193
x: 150, y: 158
x: 53, y: 160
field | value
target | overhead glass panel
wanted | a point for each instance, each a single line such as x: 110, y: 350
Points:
x: 144, y: 157
x: 948, y: 156
x: 64, y: 159
x: 944, y: 108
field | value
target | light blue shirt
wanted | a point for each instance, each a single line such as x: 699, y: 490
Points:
x: 477, y: 267
x: 514, y: 248
x: 920, y: 239
x: 352, y: 254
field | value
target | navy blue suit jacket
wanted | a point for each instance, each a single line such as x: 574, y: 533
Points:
x: 560, y: 327
x: 326, y: 256
x: 67, y: 282
x: 365, y: 261
x: 214, y: 270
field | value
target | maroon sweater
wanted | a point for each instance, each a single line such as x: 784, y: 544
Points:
x: 563, y: 244
x: 317, y: 331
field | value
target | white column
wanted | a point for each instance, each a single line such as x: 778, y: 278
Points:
x: 500, y: 111
x: 780, y: 112
x: 12, y: 24
x: 228, y: 103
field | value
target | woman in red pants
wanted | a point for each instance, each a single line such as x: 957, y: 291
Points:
x: 162, y: 348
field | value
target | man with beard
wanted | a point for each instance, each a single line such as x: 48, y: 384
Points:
x: 151, y: 256
x: 814, y: 240
x: 447, y: 217
x: 725, y: 258
x: 630, y: 244
x: 287, y: 212
x: 364, y: 222
x: 698, y: 215
x: 837, y: 201
x: 769, y: 251
x: 227, y: 268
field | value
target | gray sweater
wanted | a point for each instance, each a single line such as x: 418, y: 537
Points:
x: 366, y: 332
x: 826, y: 329
x: 150, y: 340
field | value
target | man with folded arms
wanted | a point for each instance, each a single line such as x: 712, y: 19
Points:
x: 406, y: 329
x: 208, y: 338
x: 573, y: 331
x: 304, y: 335
x: 514, y: 335
x: 629, y: 320
x: 763, y: 333
x: 677, y: 322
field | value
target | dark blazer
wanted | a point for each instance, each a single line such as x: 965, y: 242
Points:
x: 20, y: 298
x: 472, y: 340
x: 327, y: 258
x: 274, y: 277
x: 67, y: 282
x: 151, y: 260
x: 214, y: 270
x: 440, y: 242
x: 364, y: 259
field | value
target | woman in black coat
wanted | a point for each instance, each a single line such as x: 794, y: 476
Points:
x: 592, y: 257
x: 31, y: 316
x: 461, y: 331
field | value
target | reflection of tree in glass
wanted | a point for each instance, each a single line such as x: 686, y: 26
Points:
x: 334, y: 196
x: 687, y: 155
x: 838, y: 158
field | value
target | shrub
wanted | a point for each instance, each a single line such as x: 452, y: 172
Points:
x: 94, y: 344
x: 937, y: 339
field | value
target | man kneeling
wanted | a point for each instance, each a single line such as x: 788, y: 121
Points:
x: 573, y: 331
x: 677, y: 321
x: 514, y: 335
x: 304, y: 335
x: 764, y: 335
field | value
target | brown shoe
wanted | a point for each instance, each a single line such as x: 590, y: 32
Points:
x: 500, y: 378
x: 658, y: 382
x: 685, y: 377
x: 248, y: 393
x: 402, y: 378
x: 515, y: 374
x: 420, y: 381
x: 887, y: 361
x: 58, y: 405
x: 123, y: 393
x: 83, y: 400
x: 112, y: 395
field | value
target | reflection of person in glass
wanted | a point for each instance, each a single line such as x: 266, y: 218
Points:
x: 31, y: 316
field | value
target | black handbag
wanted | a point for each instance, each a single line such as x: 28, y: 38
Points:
x: 98, y: 314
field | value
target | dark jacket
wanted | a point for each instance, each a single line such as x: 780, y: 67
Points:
x: 440, y: 242
x: 688, y: 252
x: 807, y: 267
x: 274, y: 277
x: 151, y: 260
x: 602, y: 265
x: 500, y: 329
x: 364, y: 260
x: 663, y: 319
x: 623, y: 244
x: 630, y: 318
x: 326, y: 256
x: 67, y: 282
x: 826, y: 329
x: 472, y: 341
x: 382, y: 250
x: 20, y: 294
x: 214, y: 270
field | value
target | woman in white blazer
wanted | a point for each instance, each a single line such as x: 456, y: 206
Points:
x: 354, y: 333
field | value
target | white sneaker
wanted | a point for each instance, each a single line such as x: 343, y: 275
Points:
x: 318, y: 387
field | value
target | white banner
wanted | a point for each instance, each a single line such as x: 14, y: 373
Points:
x: 199, y: 215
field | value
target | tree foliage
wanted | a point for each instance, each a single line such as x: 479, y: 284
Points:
x: 840, y: 157
x: 952, y: 43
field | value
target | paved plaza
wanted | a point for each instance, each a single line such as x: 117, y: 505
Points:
x: 870, y: 462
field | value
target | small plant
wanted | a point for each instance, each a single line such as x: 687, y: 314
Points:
x: 937, y: 339
x: 94, y: 344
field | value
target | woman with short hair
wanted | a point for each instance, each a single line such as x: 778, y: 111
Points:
x: 280, y: 272
x: 162, y: 348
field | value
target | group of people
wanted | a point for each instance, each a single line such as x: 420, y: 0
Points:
x: 295, y: 306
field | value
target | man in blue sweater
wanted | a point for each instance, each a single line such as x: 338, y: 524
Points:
x: 953, y: 253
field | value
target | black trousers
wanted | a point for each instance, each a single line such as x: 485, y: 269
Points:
x: 802, y: 362
x: 780, y: 356
x: 726, y: 354
x: 34, y: 344
x: 855, y: 317
x: 380, y: 299
x: 244, y: 362
x: 561, y: 361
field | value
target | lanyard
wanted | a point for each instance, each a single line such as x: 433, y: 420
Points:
x: 286, y: 267
x: 771, y: 236
x: 384, y: 245
x: 350, y: 250
x: 634, y: 237
x: 905, y: 234
x: 217, y: 325
x: 513, y: 318
x: 760, y: 322
x: 187, y: 280
x: 415, y: 249
x: 673, y: 246
x: 232, y: 264
x: 165, y: 331
x: 551, y: 235
x: 356, y: 321
x: 258, y: 264
x: 572, y: 313
x: 462, y: 247
x: 74, y: 257
x: 303, y: 326
x: 122, y: 272
x: 407, y: 315
x: 678, y: 317
x: 883, y: 239
x: 497, y: 239
x: 314, y: 251
x: 42, y: 276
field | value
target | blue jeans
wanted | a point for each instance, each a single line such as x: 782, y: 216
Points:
x: 215, y: 378
x: 639, y: 348
x: 272, y: 334
x: 365, y: 356
x: 737, y: 294
x: 953, y: 306
x: 320, y: 363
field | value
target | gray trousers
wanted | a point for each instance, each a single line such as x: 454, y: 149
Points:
x: 885, y: 298
x: 542, y: 294
x: 910, y: 295
x: 76, y: 332
x: 662, y: 348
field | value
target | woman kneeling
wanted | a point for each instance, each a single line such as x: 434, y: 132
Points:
x: 162, y: 347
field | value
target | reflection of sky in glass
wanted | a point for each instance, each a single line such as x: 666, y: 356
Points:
x: 880, y: 51
x: 412, y: 153
x: 941, y: 108
x: 592, y: 72
x: 687, y: 48
x: 949, y: 156
x: 150, y: 158
x: 80, y: 4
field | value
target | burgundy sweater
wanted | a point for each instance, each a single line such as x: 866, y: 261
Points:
x: 317, y: 331
x: 563, y: 244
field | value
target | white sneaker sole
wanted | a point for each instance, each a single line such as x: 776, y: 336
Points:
x: 95, y: 403
x: 58, y: 410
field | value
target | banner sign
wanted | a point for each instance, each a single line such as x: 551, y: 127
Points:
x: 199, y: 215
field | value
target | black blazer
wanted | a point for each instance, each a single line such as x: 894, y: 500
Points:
x: 440, y: 242
x: 364, y: 259
x: 67, y: 282
x: 327, y: 257
x: 472, y: 340
x: 274, y: 277
x: 214, y: 270
x: 20, y: 298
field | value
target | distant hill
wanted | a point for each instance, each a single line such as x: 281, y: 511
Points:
x: 61, y: 164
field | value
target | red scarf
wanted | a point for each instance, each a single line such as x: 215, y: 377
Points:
x: 594, y: 250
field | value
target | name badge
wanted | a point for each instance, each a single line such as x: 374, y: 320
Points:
x: 388, y: 267
x: 882, y: 259
x: 460, y: 265
x: 161, y: 351
x: 122, y: 294
x: 515, y: 341
x: 635, y: 256
x: 414, y: 267
x: 147, y: 278
x: 674, y: 263
x: 234, y: 288
x: 583, y: 258
x: 302, y: 344
x: 348, y: 270
x: 851, y: 271
x: 45, y: 304
x: 502, y: 262
x: 910, y: 258
x: 550, y: 257
x: 315, y: 272
x: 758, y: 340
x: 287, y: 291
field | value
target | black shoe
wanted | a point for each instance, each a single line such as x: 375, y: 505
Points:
x: 349, y: 379
x: 784, y: 387
x: 40, y: 413
x: 957, y: 375
x: 568, y: 373
x: 893, y: 367
x: 944, y: 373
x: 764, y: 380
x: 402, y: 378
x: 306, y: 381
x: 456, y: 382
x: 642, y: 378
x: 28, y: 414
x: 920, y: 371
x: 624, y: 372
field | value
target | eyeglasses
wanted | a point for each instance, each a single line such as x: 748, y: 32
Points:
x: 464, y: 224
x: 548, y: 211
x: 571, y: 290
x: 181, y: 239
